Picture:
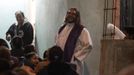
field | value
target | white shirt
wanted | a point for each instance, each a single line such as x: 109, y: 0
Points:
x: 83, y: 44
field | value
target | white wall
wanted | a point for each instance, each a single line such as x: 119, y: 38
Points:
x: 49, y: 16
x: 92, y: 17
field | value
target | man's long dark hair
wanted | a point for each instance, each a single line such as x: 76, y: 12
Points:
x: 55, y: 54
x: 77, y: 21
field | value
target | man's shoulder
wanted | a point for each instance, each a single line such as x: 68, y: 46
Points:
x: 61, y: 28
x: 13, y: 25
x: 27, y: 24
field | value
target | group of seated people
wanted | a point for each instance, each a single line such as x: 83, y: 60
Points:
x: 25, y: 60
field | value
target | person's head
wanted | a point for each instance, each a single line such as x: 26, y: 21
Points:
x: 5, y: 53
x: 3, y: 43
x: 72, y: 16
x: 29, y: 48
x: 16, y: 43
x: 55, y: 54
x: 32, y: 57
x: 19, y: 17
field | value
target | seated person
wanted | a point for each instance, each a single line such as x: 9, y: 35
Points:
x: 30, y: 62
x: 56, y: 64
x: 31, y: 59
x: 17, y: 47
x: 3, y: 43
x: 29, y: 48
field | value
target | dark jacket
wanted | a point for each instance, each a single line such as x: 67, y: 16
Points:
x: 27, y: 32
x: 57, y: 69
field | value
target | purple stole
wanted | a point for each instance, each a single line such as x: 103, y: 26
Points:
x: 71, y: 41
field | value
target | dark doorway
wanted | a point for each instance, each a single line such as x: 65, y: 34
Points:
x: 127, y: 17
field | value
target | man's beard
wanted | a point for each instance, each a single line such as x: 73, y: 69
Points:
x: 70, y: 20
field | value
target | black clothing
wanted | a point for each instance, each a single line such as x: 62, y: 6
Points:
x: 17, y: 52
x: 27, y: 32
x: 57, y: 68
x: 71, y: 41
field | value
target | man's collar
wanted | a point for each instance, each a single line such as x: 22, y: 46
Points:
x: 25, y: 21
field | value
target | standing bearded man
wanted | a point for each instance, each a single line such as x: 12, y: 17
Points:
x: 75, y: 40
